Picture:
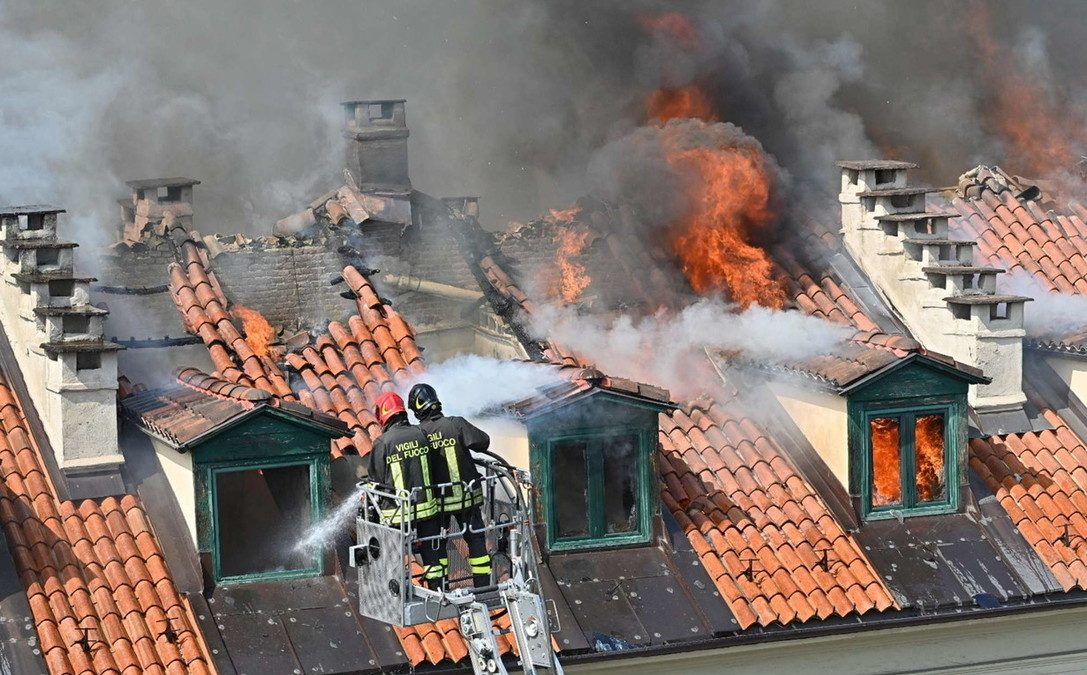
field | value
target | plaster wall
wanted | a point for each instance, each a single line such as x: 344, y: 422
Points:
x: 178, y: 469
x: 821, y: 417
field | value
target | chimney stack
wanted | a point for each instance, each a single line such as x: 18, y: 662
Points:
x: 377, y: 148
x: 151, y: 199
x: 948, y: 302
x: 56, y: 335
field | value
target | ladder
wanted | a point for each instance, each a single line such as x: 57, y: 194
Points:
x: 387, y: 592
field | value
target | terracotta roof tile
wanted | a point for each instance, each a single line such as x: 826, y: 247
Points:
x: 751, y: 469
x: 1029, y: 474
x: 79, y: 564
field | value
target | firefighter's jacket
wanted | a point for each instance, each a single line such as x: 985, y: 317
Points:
x: 402, y: 460
x: 452, y: 438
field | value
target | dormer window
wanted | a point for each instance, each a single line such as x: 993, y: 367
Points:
x: 907, y: 437
x: 592, y: 445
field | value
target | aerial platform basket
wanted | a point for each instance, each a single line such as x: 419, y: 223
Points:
x: 384, y: 556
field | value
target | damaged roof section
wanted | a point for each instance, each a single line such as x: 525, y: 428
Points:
x: 200, y: 406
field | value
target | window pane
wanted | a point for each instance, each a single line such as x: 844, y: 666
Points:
x: 929, y: 470
x: 263, y: 514
x: 570, y: 496
x: 620, y: 486
x: 886, y: 462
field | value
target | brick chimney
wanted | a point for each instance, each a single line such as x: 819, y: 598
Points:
x: 151, y: 198
x: 377, y: 148
x: 949, y: 303
x: 69, y: 369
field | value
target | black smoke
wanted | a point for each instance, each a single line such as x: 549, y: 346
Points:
x: 507, y: 99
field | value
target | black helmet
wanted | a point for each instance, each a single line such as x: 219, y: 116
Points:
x: 423, y: 401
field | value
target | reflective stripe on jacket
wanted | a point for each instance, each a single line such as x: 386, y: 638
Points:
x: 453, y: 439
x: 402, y: 459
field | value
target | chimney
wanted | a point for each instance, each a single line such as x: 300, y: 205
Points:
x: 151, y: 198
x: 948, y: 302
x: 377, y: 148
x: 69, y: 369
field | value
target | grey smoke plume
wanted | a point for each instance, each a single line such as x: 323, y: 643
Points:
x: 668, y: 348
x: 1050, y: 315
x: 507, y: 98
x: 468, y: 385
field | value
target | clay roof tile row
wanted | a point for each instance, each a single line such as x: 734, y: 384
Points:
x: 93, y: 567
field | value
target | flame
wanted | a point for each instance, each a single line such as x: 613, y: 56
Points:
x: 886, y: 462
x: 258, y: 332
x: 1042, y: 131
x: 729, y: 195
x: 566, y: 215
x: 677, y: 103
x: 573, y: 277
x: 929, y: 442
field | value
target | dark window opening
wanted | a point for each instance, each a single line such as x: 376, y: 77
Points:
x: 938, y: 280
x: 890, y: 228
x: 46, y: 257
x: 88, y: 360
x: 998, y: 311
x: 852, y: 175
x: 596, y: 490
x: 571, y: 495
x: 960, y: 311
x: 261, y: 515
x: 907, y: 460
x: 61, y: 288
x: 620, y: 488
x: 76, y: 324
x: 969, y: 281
x: 169, y: 193
x: 884, y: 176
x: 35, y: 221
x: 901, y: 201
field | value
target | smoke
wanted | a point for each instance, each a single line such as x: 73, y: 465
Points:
x: 469, y: 385
x: 507, y: 100
x: 668, y: 348
x: 1050, y: 315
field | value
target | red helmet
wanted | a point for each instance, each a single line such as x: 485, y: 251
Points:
x: 387, y: 405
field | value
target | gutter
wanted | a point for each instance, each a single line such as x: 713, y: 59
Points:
x: 822, y: 629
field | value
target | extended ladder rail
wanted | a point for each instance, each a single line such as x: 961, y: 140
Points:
x: 386, y: 591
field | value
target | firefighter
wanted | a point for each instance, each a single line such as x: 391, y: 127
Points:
x: 452, y: 439
x: 402, y: 461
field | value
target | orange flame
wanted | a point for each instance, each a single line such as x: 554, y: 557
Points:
x: 886, y: 462
x: 929, y: 442
x: 677, y: 103
x: 573, y: 277
x: 566, y: 215
x: 1042, y: 131
x: 729, y: 194
x: 258, y: 332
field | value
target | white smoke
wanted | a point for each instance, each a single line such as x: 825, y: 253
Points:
x: 469, y: 384
x: 668, y: 348
x: 1051, y: 314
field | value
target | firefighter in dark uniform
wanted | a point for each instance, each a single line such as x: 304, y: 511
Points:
x: 402, y: 461
x: 452, y: 439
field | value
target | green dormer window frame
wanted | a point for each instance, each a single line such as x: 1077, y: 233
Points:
x: 908, y: 438
x: 588, y: 479
x: 592, y: 454
x: 902, y: 477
